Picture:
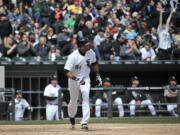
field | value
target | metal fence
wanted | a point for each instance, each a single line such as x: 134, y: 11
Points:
x: 110, y: 102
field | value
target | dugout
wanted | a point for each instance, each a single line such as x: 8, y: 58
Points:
x: 33, y: 77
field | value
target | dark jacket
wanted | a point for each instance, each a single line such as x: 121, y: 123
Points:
x: 44, y: 9
x: 135, y: 95
x: 24, y: 51
x: 41, y: 50
x: 5, y: 28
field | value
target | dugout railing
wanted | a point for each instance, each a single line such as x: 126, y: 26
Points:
x: 110, y: 102
x: 7, y: 97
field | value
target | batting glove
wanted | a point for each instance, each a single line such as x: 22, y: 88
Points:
x: 98, y: 79
x: 81, y: 82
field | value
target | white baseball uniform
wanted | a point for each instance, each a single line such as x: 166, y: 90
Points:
x: 171, y: 108
x: 52, y: 105
x: 79, y: 66
x: 144, y: 103
x: 117, y: 101
x: 20, y: 107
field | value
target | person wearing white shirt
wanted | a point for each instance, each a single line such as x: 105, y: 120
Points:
x: 147, y: 53
x: 164, y: 47
x: 51, y: 96
x: 20, y: 106
x: 97, y: 41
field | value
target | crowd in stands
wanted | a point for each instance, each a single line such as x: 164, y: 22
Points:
x: 118, y: 29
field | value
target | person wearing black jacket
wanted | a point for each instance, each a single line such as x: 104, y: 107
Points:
x: 106, y: 49
x: 138, y: 98
x: 101, y: 98
x: 44, y: 12
x: 117, y: 44
x: 170, y: 94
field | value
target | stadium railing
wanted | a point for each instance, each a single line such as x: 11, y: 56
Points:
x: 7, y: 97
x: 110, y: 102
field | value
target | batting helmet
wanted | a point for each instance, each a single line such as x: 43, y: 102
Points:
x: 83, y: 41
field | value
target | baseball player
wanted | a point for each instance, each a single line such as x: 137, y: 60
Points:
x: 102, y: 99
x: 77, y: 69
x: 20, y: 105
x: 139, y: 98
x: 51, y: 96
x: 170, y: 94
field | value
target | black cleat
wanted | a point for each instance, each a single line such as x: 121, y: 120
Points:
x: 84, y: 127
x: 72, y: 121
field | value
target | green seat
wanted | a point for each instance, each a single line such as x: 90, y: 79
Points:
x: 5, y: 60
x: 18, y: 59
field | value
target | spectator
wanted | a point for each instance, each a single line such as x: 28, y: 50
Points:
x: 42, y: 49
x: 147, y: 53
x: 44, y: 12
x: 138, y: 99
x: 129, y: 51
x: 70, y: 22
x: 5, y: 27
x: 102, y: 99
x: 32, y: 39
x: 51, y: 37
x: 69, y: 48
x: 88, y: 31
x: 24, y: 48
x: 102, y: 19
x: 63, y: 37
x: 170, y: 94
x: 15, y: 16
x: 154, y: 36
x: 56, y: 18
x: 176, y: 52
x: 11, y: 48
x: 99, y: 38
x: 37, y: 9
x: 75, y: 8
x: 53, y: 53
x: 106, y: 48
x: 164, y: 47
x: 130, y: 33
x: 117, y: 44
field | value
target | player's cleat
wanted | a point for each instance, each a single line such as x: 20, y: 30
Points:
x: 84, y: 127
x: 72, y: 121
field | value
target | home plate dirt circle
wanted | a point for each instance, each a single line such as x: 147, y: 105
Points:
x: 94, y: 129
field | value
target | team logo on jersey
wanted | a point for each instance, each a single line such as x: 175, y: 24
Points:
x: 88, y: 62
x: 77, y: 67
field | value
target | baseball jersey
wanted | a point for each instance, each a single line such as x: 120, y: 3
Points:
x: 170, y: 99
x: 20, y: 107
x: 164, y: 38
x: 51, y: 91
x: 79, y: 65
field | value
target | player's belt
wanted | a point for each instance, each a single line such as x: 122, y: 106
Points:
x: 52, y: 104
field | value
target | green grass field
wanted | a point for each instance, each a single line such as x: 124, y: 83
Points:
x: 126, y: 120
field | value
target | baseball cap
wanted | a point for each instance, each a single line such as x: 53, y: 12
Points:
x: 19, y: 92
x: 172, y: 78
x: 107, y: 79
x: 54, y: 77
x: 134, y: 78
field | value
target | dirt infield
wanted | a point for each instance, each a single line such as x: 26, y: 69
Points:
x: 94, y: 129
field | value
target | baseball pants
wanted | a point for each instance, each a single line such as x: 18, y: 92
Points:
x: 171, y: 108
x: 74, y: 88
x: 52, y: 112
x: 117, y: 101
x: 143, y: 104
